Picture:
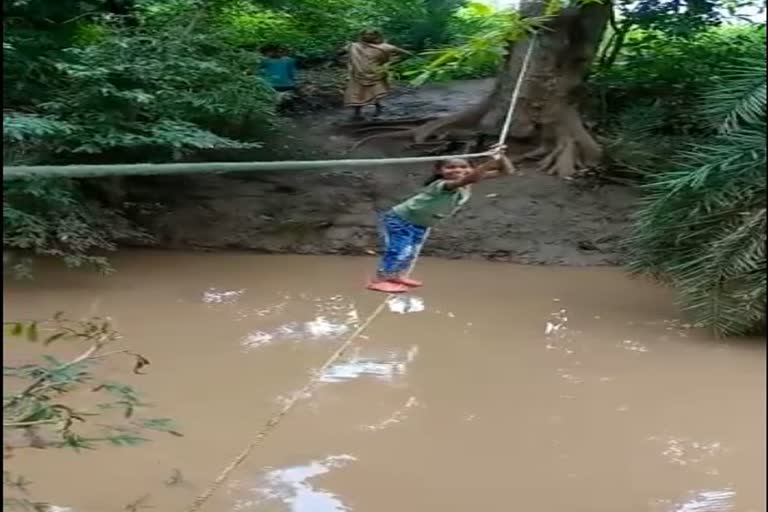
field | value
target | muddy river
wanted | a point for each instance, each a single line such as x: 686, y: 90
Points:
x: 495, y: 388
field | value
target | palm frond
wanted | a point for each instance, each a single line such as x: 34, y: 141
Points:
x: 702, y: 225
x: 738, y: 98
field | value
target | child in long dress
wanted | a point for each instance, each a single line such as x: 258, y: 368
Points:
x: 368, y: 80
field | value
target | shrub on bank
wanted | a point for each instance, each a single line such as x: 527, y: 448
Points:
x: 702, y: 226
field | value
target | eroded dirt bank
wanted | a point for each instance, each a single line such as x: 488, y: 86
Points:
x: 526, y: 219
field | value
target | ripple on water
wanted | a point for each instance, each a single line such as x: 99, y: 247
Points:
x: 716, y: 500
x: 687, y: 452
x: 384, y: 369
x: 335, y: 317
x: 404, y: 304
x: 557, y: 334
x: 291, y: 486
x: 396, y: 417
x: 216, y: 296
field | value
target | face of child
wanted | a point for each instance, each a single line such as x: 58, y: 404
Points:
x: 455, y: 169
x: 371, y: 37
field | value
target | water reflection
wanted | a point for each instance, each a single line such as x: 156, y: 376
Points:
x: 687, y: 452
x: 216, y: 296
x: 633, y: 346
x: 291, y: 486
x: 396, y: 417
x: 556, y: 332
x: 394, y: 365
x: 406, y: 304
x: 334, y: 317
x: 718, y: 500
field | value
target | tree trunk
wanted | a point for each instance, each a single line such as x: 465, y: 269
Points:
x: 547, y: 114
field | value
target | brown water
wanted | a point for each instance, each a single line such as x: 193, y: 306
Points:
x: 495, y: 388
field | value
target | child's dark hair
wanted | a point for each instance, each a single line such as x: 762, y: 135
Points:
x: 271, y: 49
x: 436, y: 174
x: 437, y: 171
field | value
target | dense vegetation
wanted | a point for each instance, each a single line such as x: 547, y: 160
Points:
x: 676, y: 96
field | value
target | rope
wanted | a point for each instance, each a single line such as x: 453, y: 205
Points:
x: 92, y: 171
x: 516, y: 93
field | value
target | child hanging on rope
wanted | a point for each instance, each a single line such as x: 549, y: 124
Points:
x: 404, y: 226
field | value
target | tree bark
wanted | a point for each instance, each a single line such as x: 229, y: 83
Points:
x: 547, y: 115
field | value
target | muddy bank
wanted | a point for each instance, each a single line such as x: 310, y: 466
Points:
x: 526, y: 219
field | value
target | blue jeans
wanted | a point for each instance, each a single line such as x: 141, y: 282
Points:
x: 400, y: 240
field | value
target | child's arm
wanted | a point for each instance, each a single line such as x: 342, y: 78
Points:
x: 396, y: 50
x: 498, y: 165
x: 402, y: 51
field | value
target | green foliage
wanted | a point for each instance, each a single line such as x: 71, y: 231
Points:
x: 84, y: 85
x: 703, y: 224
x: 672, y: 72
x: 419, y: 24
x: 51, y: 217
x: 478, y: 46
x: 316, y: 30
x: 38, y: 410
x: 159, y: 89
x: 647, y: 103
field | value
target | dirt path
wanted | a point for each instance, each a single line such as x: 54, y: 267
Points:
x: 527, y: 219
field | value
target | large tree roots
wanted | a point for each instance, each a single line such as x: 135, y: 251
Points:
x: 568, y: 152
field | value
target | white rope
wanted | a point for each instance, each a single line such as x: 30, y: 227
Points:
x: 97, y: 170
x: 516, y: 93
x: 310, y: 386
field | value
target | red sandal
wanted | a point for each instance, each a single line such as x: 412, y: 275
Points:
x: 407, y: 281
x: 387, y: 287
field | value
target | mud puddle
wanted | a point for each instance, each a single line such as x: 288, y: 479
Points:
x: 496, y: 387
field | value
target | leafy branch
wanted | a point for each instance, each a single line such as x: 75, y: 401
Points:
x: 37, y: 413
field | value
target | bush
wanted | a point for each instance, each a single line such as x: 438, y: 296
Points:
x: 157, y: 90
x: 153, y: 86
x: 51, y: 217
x: 316, y: 30
x: 646, y: 104
x: 702, y: 226
x: 479, y: 37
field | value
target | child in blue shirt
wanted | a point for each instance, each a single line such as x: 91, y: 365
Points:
x: 279, y: 69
